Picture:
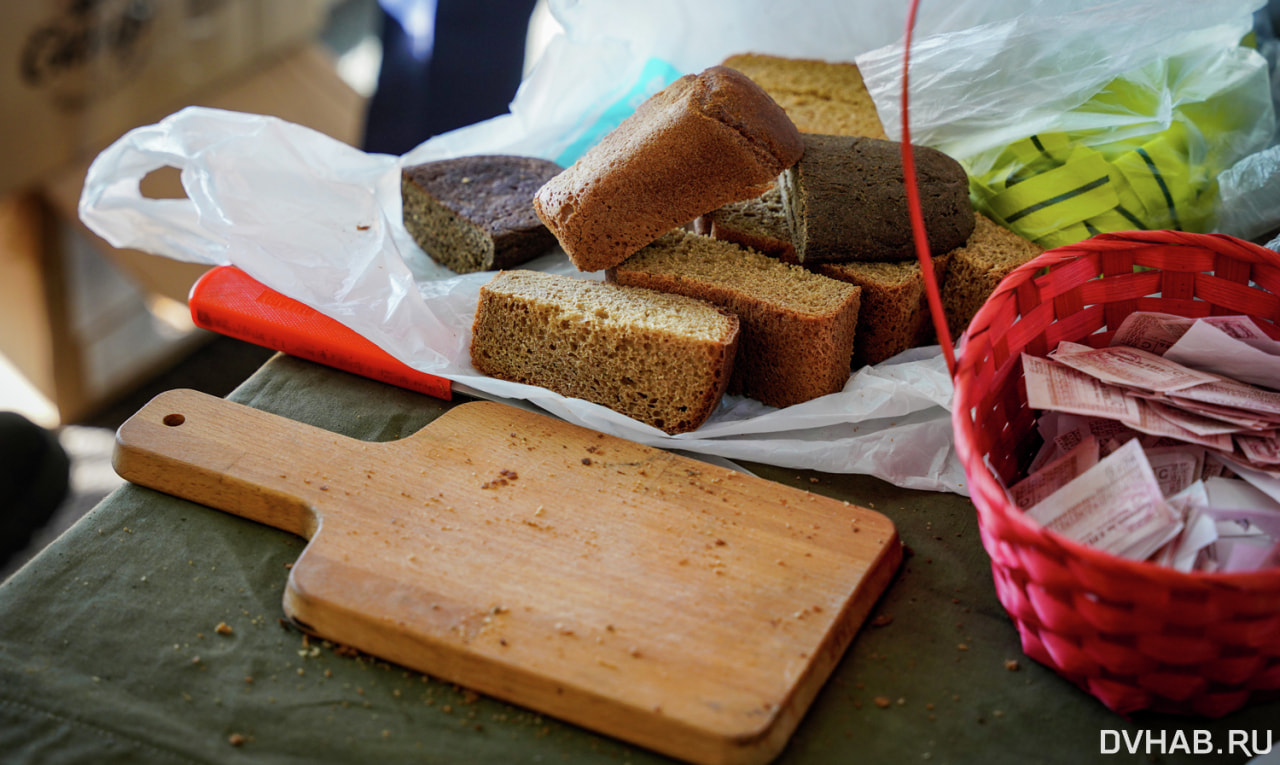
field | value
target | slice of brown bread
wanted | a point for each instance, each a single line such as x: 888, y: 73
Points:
x: 798, y: 327
x: 895, y: 309
x: 819, y: 96
x: 759, y: 223
x: 476, y: 213
x: 658, y: 358
x: 977, y: 268
x: 845, y: 200
x: 699, y: 143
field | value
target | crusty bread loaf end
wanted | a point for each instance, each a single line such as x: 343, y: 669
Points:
x: 845, y: 200
x: 700, y: 143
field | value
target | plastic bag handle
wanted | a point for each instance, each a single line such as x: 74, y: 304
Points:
x: 112, y: 203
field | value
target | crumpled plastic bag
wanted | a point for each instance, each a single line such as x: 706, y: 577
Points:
x: 1250, y: 188
x: 1074, y: 118
x: 615, y: 53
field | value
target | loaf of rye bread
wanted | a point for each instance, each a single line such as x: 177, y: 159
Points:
x: 845, y: 200
x: 699, y: 143
x: 476, y: 213
x: 658, y: 358
x: 798, y: 327
x: 819, y: 96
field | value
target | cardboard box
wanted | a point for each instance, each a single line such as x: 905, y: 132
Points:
x: 85, y: 322
x: 80, y: 73
x: 300, y: 85
x: 70, y: 323
x: 27, y: 331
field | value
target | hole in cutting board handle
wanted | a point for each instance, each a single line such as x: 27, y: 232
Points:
x: 174, y: 420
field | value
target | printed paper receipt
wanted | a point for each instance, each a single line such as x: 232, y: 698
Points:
x: 1115, y: 506
x: 1062, y: 389
x: 1130, y: 366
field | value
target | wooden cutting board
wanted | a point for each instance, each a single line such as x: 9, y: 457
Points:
x: 673, y: 604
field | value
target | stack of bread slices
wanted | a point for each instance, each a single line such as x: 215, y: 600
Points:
x: 824, y: 98
x: 746, y: 222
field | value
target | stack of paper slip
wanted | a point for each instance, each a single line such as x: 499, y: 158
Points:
x: 1163, y: 446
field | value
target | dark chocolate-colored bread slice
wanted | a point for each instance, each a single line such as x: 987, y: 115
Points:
x: 476, y: 213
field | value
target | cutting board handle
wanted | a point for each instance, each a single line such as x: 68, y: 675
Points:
x: 226, y: 456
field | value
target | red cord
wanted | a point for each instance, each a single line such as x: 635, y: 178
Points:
x: 913, y: 208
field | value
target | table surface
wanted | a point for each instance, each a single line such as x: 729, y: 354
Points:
x: 109, y: 650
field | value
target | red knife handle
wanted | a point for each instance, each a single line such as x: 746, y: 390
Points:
x: 230, y: 302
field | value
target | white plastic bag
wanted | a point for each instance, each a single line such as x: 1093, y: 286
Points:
x: 1123, y: 86
x: 1250, y: 192
x: 615, y: 53
x: 1250, y: 188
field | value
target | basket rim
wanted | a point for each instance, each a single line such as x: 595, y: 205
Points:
x: 984, y: 485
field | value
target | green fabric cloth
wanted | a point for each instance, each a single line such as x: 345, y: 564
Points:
x: 109, y: 654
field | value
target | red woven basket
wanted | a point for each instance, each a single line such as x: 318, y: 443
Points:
x: 1135, y: 635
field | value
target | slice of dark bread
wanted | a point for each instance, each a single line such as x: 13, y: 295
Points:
x: 798, y: 327
x: 476, y: 213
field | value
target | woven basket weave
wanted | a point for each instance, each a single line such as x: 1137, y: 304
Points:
x: 1135, y: 635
